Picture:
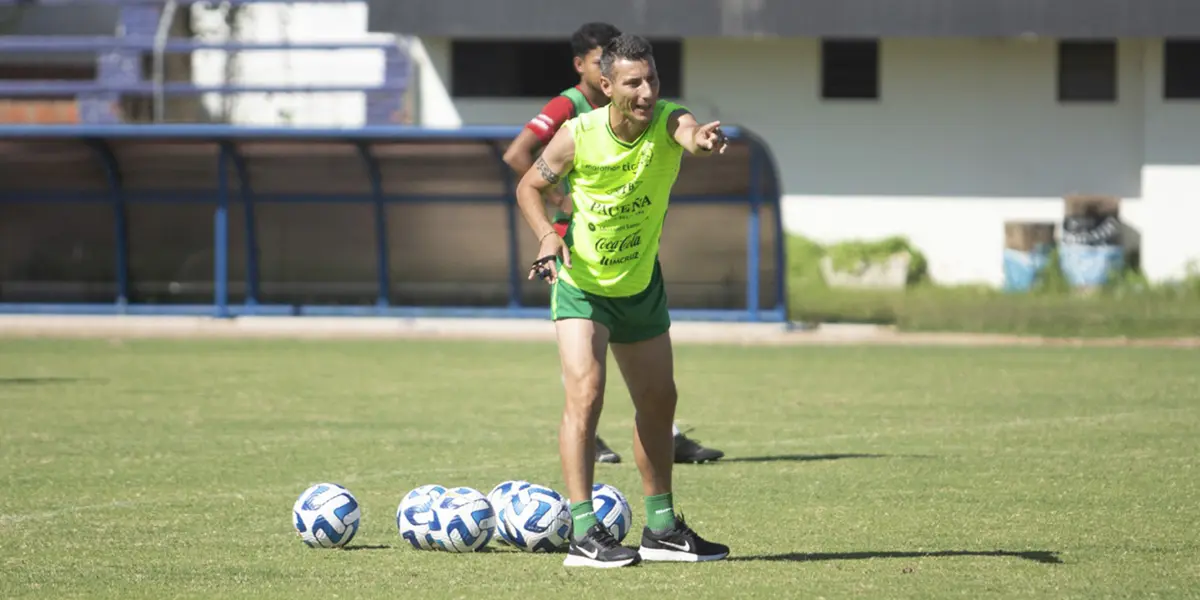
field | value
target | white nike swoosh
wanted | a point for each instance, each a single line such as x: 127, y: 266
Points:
x: 592, y: 555
x: 685, y: 547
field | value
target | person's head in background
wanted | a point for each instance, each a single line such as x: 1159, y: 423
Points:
x: 587, y: 44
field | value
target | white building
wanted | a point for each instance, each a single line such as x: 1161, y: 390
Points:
x: 959, y: 136
x: 964, y: 118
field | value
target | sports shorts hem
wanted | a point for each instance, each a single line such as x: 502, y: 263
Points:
x: 629, y: 319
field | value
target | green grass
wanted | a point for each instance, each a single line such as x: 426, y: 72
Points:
x: 974, y: 310
x: 168, y: 469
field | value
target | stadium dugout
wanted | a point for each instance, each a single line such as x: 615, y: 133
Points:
x: 382, y: 220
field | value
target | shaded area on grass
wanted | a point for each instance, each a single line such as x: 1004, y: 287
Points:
x: 806, y: 457
x: 368, y: 547
x: 43, y: 380
x: 1041, y: 556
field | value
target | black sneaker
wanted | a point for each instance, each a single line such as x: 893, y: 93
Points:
x: 599, y: 549
x: 690, y: 451
x: 604, y: 454
x: 679, y: 544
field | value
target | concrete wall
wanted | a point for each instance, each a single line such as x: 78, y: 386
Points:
x: 967, y: 133
x: 298, y: 23
x: 1170, y: 177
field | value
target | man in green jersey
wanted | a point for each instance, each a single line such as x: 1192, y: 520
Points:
x: 587, y: 44
x: 621, y: 163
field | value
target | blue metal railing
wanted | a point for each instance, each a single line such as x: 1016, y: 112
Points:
x: 30, y: 44
x: 118, y: 67
x: 18, y: 44
x: 34, y: 3
x: 101, y: 138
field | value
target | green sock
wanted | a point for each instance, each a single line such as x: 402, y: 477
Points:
x: 660, y: 512
x: 583, y: 517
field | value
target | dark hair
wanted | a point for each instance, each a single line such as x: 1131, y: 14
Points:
x: 592, y: 35
x: 625, y: 46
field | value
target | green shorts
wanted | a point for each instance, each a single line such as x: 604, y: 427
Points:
x: 629, y: 319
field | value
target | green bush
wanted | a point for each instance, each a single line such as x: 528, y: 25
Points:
x: 847, y: 256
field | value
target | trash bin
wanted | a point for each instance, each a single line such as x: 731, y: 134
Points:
x: 1027, y: 247
x: 1091, y: 249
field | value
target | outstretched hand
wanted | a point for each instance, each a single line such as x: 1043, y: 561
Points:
x: 709, y: 137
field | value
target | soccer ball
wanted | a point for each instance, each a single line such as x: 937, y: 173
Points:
x: 535, y: 519
x: 499, y: 492
x: 496, y: 498
x: 326, y: 515
x: 466, y: 518
x: 612, y: 510
x: 415, y: 517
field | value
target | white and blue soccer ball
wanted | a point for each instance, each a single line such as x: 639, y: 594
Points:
x: 416, y: 519
x: 500, y: 491
x: 497, y: 497
x: 326, y: 515
x: 466, y: 520
x: 535, y: 519
x: 612, y: 510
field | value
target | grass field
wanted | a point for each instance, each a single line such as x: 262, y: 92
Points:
x: 165, y: 469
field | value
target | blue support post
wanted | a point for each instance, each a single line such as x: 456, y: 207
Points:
x: 781, y: 296
x: 754, y: 235
x: 221, y: 238
x: 116, y: 184
x: 383, y: 269
x: 510, y: 205
x: 247, y: 196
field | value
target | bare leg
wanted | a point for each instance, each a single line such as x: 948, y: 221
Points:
x: 648, y: 368
x: 649, y: 372
x: 583, y: 350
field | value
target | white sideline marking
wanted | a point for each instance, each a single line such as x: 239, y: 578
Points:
x: 361, y: 328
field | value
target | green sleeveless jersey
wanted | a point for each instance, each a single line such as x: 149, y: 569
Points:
x: 578, y: 100
x: 620, y: 192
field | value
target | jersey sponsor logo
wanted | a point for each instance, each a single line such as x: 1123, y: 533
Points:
x: 644, y: 158
x: 636, y: 164
x: 614, y: 245
x: 626, y: 188
x: 611, y: 249
x: 615, y: 227
x: 637, y: 206
x: 608, y: 261
x: 595, y: 168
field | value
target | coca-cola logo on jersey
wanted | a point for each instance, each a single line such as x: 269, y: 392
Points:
x: 621, y: 244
